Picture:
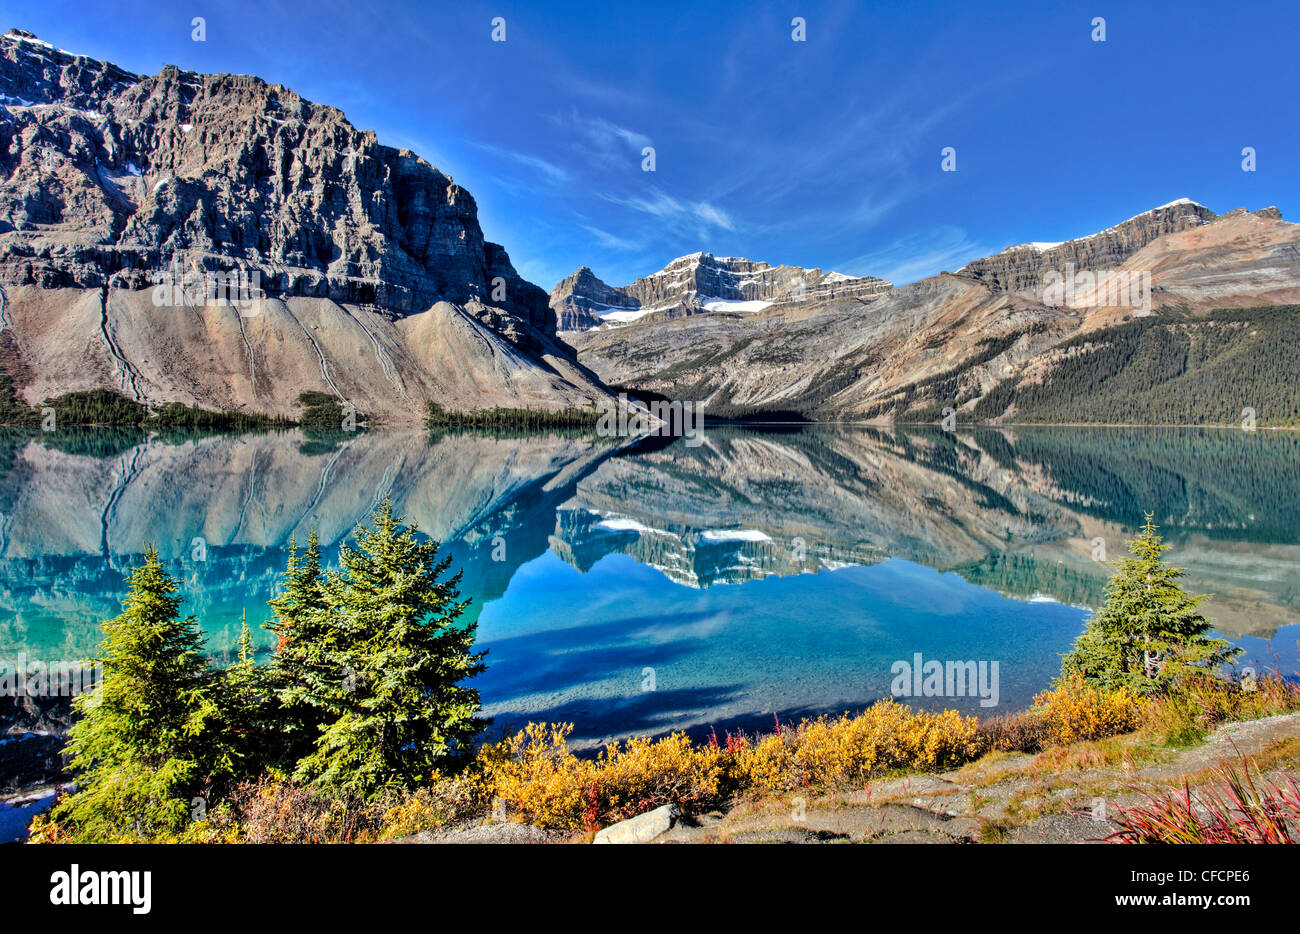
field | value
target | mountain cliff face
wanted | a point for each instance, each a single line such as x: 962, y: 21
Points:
x: 700, y: 282
x: 110, y: 182
x: 1019, y: 268
x: 582, y: 301
x: 952, y: 338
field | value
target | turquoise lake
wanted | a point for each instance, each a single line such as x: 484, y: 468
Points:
x: 648, y: 585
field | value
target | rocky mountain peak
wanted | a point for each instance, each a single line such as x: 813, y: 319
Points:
x: 371, y: 279
x: 110, y: 176
x: 698, y: 283
x: 1020, y: 267
x: 44, y: 74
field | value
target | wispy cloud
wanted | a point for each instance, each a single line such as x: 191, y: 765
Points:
x: 607, y: 135
x: 601, y: 143
x: 683, y: 218
x: 713, y: 215
x: 917, y: 255
x: 609, y: 241
x: 544, y: 169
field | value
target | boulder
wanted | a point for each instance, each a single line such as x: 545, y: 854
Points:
x: 640, y: 829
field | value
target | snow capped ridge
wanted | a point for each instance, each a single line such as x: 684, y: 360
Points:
x: 1172, y: 204
x: 726, y: 304
x: 1043, y: 246
x: 1037, y: 247
x: 699, y: 283
x: 1023, y: 266
x: 83, y: 78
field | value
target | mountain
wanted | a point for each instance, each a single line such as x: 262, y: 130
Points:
x: 376, y: 281
x: 1018, y: 268
x: 952, y: 339
x: 369, y: 278
x: 698, y: 283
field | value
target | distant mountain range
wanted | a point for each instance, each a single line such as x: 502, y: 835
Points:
x: 375, y: 284
x: 700, y: 283
x: 1133, y: 324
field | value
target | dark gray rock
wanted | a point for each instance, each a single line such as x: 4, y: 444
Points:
x: 110, y: 176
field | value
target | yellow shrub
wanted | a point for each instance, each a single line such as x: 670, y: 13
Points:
x: 640, y: 774
x: 766, y: 766
x: 1075, y: 710
x: 442, y: 802
x: 844, y: 750
x: 536, y: 778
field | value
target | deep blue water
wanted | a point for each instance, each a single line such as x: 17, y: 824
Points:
x: 574, y: 647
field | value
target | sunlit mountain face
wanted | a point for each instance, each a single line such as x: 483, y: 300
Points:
x: 648, y: 585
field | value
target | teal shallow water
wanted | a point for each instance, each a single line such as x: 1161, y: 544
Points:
x: 654, y: 586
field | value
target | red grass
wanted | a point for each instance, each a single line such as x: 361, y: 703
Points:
x: 1234, y: 810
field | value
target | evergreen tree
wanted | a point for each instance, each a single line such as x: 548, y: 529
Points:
x: 1149, y: 633
x: 149, y: 740
x: 397, y: 654
x: 302, y: 670
x: 246, y: 663
x: 245, y: 703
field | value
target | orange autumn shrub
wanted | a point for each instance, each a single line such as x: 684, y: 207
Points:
x: 534, y: 777
x: 638, y: 775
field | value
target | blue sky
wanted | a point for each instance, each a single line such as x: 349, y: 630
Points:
x: 818, y: 153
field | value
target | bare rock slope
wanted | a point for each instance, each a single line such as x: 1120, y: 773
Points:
x: 378, y: 283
